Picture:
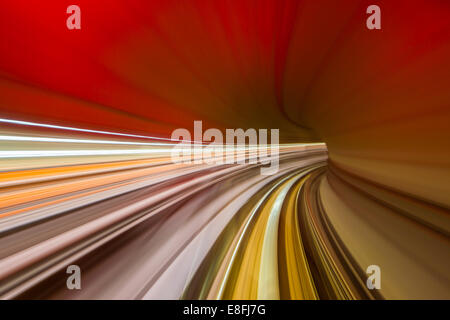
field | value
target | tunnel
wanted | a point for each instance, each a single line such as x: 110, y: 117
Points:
x: 362, y: 182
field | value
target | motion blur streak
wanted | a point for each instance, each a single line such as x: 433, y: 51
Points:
x: 87, y: 178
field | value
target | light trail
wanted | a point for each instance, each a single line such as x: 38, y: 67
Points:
x: 75, y: 129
